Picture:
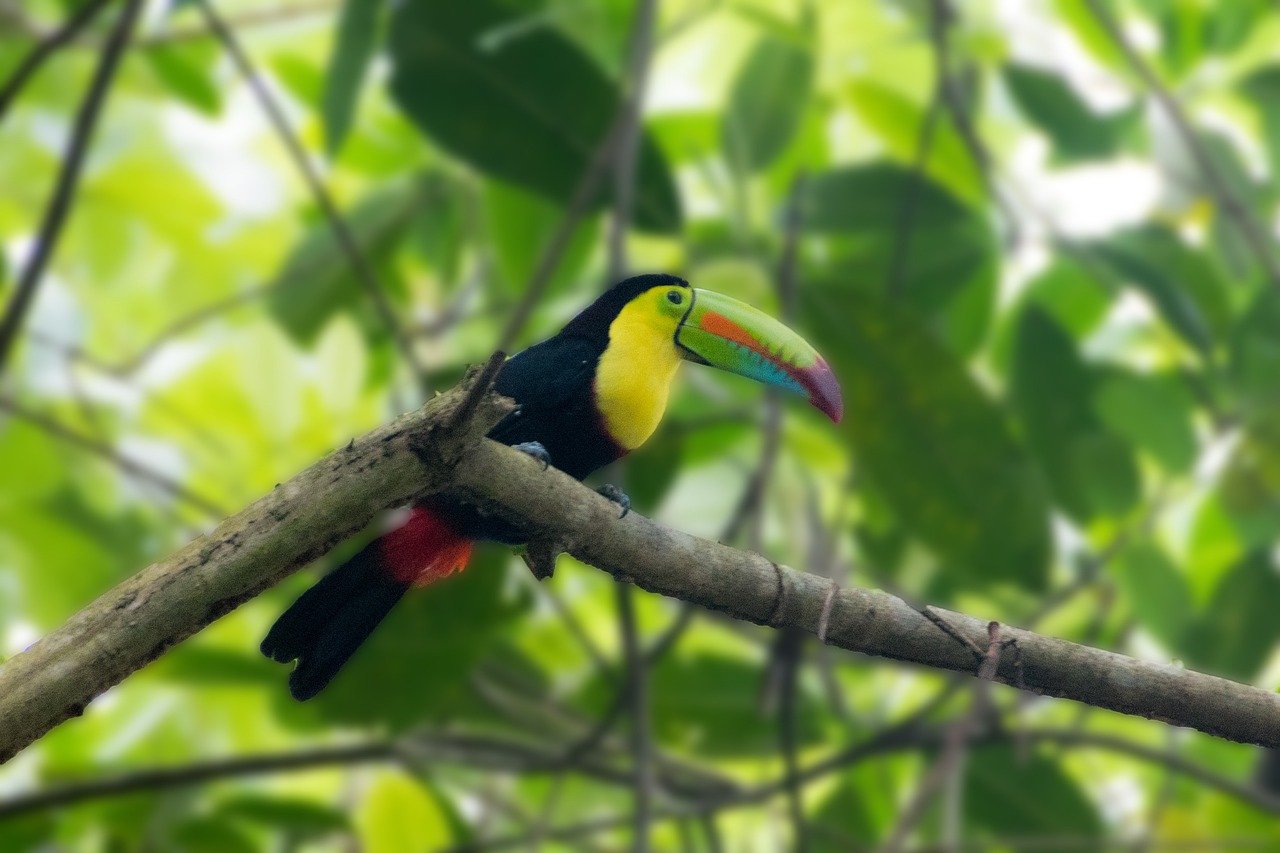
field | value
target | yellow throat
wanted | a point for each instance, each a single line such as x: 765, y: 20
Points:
x: 634, y: 375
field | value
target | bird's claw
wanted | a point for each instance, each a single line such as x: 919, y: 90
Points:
x: 537, y: 451
x: 616, y: 495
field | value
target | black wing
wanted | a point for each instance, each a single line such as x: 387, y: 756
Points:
x: 547, y: 379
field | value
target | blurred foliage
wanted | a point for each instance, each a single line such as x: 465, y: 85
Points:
x: 1060, y: 357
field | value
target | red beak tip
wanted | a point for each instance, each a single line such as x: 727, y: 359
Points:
x: 824, y: 391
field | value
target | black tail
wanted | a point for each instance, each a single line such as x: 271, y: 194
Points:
x: 328, y: 622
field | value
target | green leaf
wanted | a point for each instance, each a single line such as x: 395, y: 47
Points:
x: 1151, y: 411
x: 710, y: 704
x: 861, y: 198
x: 1157, y: 592
x: 1190, y: 32
x: 186, y: 71
x: 1238, y: 629
x: 440, y: 231
x: 937, y: 448
x: 767, y: 103
x: 1076, y: 131
x: 1231, y: 24
x: 1090, y: 471
x: 857, y: 812
x: 201, y: 664
x: 1032, y: 799
x: 1255, y: 351
x: 520, y: 225
x: 1075, y: 297
x: 208, y: 835
x: 1184, y: 287
x: 28, y: 832
x: 397, y: 814
x: 1080, y: 20
x: 298, y: 817
x: 651, y: 473
x: 354, y: 46
x: 947, y: 269
x: 531, y: 109
x: 1262, y: 88
x: 896, y: 120
x: 1250, y: 486
x: 317, y: 280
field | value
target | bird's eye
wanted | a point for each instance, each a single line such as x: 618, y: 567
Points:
x: 675, y: 297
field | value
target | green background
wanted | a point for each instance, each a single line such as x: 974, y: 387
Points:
x: 1060, y: 357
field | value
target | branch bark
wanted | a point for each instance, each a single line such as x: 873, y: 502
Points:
x: 430, y: 450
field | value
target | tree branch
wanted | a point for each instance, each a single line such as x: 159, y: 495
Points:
x: 45, y: 48
x: 55, y: 214
x: 1261, y: 242
x: 360, y: 265
x: 103, y: 450
x: 899, y: 738
x: 425, y: 452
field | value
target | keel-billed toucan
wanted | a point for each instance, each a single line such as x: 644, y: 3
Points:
x: 584, y: 398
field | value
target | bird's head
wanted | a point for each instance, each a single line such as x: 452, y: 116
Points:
x: 710, y: 328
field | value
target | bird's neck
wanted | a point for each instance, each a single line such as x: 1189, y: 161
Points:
x: 634, y: 376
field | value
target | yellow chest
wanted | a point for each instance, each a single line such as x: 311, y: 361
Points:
x: 634, y: 376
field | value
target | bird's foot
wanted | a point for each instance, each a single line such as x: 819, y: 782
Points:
x: 536, y: 450
x: 613, y: 493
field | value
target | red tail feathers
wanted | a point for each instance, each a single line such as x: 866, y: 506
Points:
x: 423, y: 549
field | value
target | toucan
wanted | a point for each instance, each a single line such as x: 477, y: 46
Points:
x: 584, y: 398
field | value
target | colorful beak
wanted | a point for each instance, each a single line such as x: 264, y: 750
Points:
x: 733, y: 336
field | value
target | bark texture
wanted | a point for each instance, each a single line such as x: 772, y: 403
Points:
x: 441, y: 448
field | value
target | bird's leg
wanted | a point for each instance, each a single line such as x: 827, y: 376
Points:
x: 536, y: 450
x: 613, y: 493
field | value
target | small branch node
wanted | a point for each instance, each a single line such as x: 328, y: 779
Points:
x: 540, y: 556
x: 991, y: 660
x: 828, y: 604
x: 481, y: 383
x: 780, y: 597
x: 935, y: 616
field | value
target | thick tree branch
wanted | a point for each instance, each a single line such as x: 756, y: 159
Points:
x: 425, y: 452
x: 169, y: 601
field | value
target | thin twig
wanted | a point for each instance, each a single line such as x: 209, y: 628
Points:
x: 637, y: 696
x: 678, y: 777
x: 55, y: 214
x: 910, y: 735
x: 932, y: 614
x: 584, y: 195
x: 624, y: 180
x: 1255, y: 234
x: 190, y: 321
x: 480, y: 386
x: 364, y: 271
x: 943, y: 17
x: 955, y: 746
x: 578, y: 631
x: 788, y: 733
x: 165, y: 778
x: 248, y: 19
x: 45, y: 48
x: 104, y: 451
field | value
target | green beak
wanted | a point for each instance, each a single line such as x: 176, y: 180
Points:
x: 733, y: 336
